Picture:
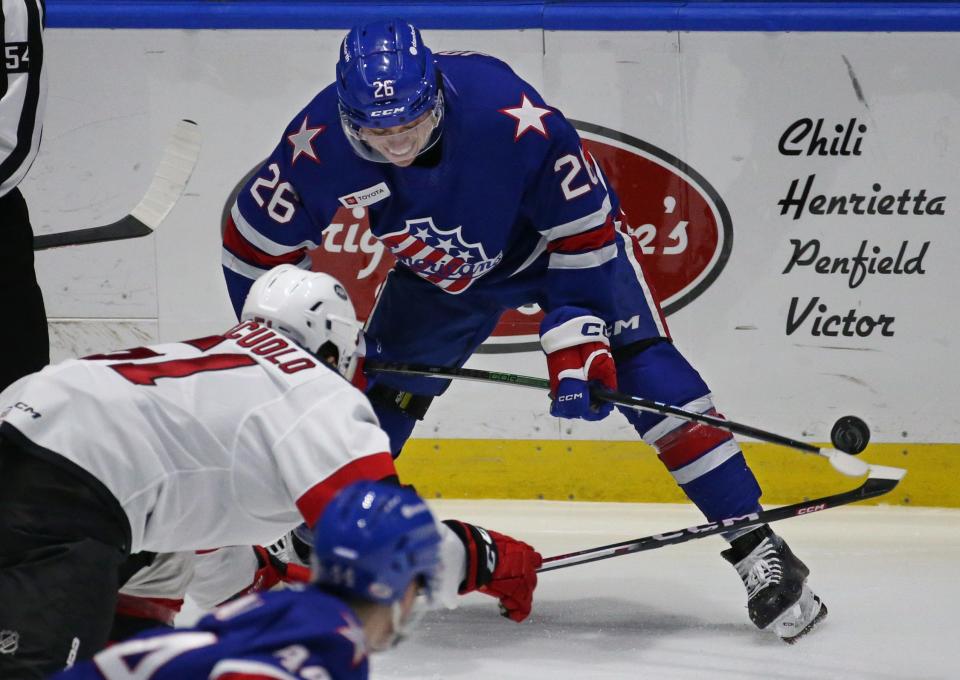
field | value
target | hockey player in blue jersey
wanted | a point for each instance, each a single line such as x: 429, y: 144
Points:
x: 376, y: 556
x: 484, y: 194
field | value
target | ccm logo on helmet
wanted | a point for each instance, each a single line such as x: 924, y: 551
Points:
x: 387, y: 112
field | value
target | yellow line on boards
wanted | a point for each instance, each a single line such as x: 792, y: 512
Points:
x: 629, y: 471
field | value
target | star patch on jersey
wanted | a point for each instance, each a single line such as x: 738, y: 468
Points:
x: 356, y: 637
x: 302, y: 141
x: 529, y: 117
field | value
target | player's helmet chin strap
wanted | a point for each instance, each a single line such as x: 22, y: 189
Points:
x: 404, y: 625
x: 347, y: 336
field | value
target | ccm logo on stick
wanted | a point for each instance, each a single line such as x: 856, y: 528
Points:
x: 807, y: 511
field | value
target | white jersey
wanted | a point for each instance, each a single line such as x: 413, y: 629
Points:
x: 210, y: 577
x: 225, y: 440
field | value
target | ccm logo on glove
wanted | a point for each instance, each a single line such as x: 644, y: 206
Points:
x: 593, y: 329
x: 570, y: 397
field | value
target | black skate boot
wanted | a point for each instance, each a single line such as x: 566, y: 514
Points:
x: 778, y: 597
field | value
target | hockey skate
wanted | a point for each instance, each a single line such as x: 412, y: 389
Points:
x: 778, y: 597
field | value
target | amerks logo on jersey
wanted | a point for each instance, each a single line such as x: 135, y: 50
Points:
x: 440, y: 256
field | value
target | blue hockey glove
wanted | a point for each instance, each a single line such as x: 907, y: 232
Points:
x: 571, y: 399
x: 578, y: 355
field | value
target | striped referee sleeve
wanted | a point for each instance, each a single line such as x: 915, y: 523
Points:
x: 23, y: 88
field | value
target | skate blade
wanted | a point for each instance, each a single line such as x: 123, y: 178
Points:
x: 816, y: 619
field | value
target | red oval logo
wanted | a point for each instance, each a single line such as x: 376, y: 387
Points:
x: 682, y: 225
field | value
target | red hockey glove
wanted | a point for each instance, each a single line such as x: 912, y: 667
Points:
x: 500, y: 566
x: 578, y: 354
x: 273, y: 570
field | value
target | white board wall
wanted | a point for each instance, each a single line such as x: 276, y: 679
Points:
x: 720, y: 102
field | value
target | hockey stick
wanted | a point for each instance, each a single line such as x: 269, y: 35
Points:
x: 842, y: 462
x: 176, y: 165
x: 881, y: 480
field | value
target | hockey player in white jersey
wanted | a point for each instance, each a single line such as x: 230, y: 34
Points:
x: 155, y: 593
x: 231, y: 439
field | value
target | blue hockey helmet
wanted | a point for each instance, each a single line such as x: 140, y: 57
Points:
x: 373, y: 540
x: 387, y: 82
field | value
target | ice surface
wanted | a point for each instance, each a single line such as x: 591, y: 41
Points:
x: 888, y: 575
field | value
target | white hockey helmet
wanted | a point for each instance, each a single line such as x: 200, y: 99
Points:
x: 311, y: 308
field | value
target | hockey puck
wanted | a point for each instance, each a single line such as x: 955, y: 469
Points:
x: 850, y: 435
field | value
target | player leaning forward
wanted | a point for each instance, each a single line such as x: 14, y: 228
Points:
x: 375, y: 563
x: 230, y: 439
x: 485, y: 196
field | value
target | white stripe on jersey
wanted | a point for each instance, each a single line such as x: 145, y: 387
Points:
x: 582, y: 224
x: 259, y: 240
x: 235, y: 264
x: 707, y: 462
x: 593, y: 258
x: 647, y: 293
x: 671, y: 423
x: 245, y: 668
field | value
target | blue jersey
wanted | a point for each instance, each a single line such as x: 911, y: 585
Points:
x: 287, y: 635
x: 507, y: 206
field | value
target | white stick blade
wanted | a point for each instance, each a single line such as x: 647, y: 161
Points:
x: 177, y: 164
x: 884, y: 472
x: 845, y: 463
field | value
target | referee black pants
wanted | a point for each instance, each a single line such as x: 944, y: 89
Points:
x: 63, y: 541
x: 24, y: 345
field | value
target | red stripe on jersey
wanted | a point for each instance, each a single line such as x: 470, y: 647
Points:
x: 446, y: 269
x: 128, y: 354
x: 688, y: 442
x: 148, y: 374
x: 425, y: 263
x: 585, y: 241
x: 459, y: 284
x: 157, y: 609
x: 203, y: 344
x: 413, y: 248
x: 247, y: 676
x: 374, y: 467
x: 234, y: 241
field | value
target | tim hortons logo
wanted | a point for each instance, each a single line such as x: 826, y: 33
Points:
x: 680, y: 222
